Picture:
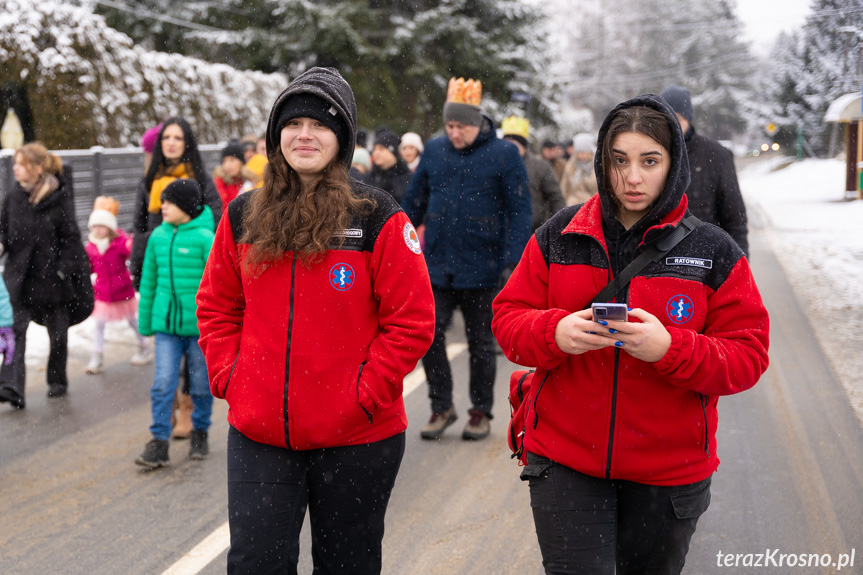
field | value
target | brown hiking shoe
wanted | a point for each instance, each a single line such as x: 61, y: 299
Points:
x: 478, y: 427
x: 438, y: 422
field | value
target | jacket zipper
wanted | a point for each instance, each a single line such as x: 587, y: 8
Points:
x: 704, y: 400
x: 613, y: 415
x: 230, y: 375
x: 613, y: 390
x: 171, y: 273
x: 624, y: 298
x: 371, y: 419
x: 288, y: 350
x: 536, y: 397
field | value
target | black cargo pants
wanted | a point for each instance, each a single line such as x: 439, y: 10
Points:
x: 593, y: 525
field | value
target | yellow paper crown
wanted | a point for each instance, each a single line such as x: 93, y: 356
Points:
x: 515, y: 126
x: 461, y: 92
x: 107, y: 203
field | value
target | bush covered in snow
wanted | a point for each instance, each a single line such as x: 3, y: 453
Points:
x: 89, y: 85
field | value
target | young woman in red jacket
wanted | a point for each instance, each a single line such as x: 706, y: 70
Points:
x: 314, y: 305
x: 620, y: 427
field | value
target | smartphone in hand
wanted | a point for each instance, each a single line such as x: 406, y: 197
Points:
x: 608, y: 311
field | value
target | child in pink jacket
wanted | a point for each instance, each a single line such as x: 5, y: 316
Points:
x: 108, y: 249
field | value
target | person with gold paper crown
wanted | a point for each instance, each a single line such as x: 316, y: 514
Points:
x: 471, y: 191
x: 545, y: 197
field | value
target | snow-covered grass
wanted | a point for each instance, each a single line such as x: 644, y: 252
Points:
x: 107, y: 90
x: 817, y: 237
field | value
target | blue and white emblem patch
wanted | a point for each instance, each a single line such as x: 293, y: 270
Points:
x: 412, y: 239
x: 342, y: 277
x: 679, y: 308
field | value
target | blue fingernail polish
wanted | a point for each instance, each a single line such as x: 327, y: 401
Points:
x: 629, y: 309
x: 612, y: 330
x: 591, y: 332
x: 602, y: 322
x: 618, y: 343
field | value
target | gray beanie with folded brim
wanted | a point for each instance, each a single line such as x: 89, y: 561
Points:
x: 463, y: 113
x: 328, y: 85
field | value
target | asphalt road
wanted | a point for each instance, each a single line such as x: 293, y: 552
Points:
x: 73, y: 502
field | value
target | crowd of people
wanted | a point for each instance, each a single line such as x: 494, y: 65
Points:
x: 319, y: 263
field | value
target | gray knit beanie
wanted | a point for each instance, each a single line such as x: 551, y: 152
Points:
x: 463, y: 113
x: 679, y: 100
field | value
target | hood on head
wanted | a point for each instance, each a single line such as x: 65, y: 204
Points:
x: 678, y: 174
x: 327, y: 84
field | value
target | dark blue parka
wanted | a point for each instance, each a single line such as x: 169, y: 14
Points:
x: 475, y: 205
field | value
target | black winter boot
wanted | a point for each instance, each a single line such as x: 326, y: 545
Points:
x: 12, y: 396
x: 199, y: 448
x: 155, y: 454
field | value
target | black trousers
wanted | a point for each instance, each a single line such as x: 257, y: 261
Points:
x: 592, y: 525
x: 346, y: 490
x: 13, y: 376
x: 475, y: 306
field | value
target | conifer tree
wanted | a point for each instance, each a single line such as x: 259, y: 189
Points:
x: 397, y: 54
x: 832, y: 64
x: 623, y: 48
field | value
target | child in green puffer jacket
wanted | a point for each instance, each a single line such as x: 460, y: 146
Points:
x: 177, y: 252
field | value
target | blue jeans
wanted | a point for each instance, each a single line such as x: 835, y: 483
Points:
x: 169, y: 350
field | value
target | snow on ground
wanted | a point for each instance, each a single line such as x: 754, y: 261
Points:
x: 815, y: 234
x: 120, y: 345
x: 817, y: 237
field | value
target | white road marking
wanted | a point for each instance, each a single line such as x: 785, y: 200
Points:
x: 418, y: 376
x: 216, y: 542
x: 203, y: 554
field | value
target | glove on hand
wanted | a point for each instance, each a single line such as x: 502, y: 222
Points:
x: 504, y: 275
x: 7, y: 344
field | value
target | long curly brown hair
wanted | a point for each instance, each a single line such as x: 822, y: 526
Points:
x: 286, y: 216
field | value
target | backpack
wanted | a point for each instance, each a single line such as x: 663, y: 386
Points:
x: 519, y: 388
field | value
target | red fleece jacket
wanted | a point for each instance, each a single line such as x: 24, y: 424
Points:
x: 315, y: 357
x: 605, y: 413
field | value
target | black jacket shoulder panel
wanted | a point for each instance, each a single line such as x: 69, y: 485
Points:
x: 707, y: 256
x: 568, y: 249
x: 236, y: 214
x: 371, y: 224
x: 547, y: 233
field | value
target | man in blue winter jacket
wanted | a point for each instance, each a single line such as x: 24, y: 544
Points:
x: 470, y: 190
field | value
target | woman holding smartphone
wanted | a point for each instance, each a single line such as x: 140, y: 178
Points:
x: 620, y: 432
